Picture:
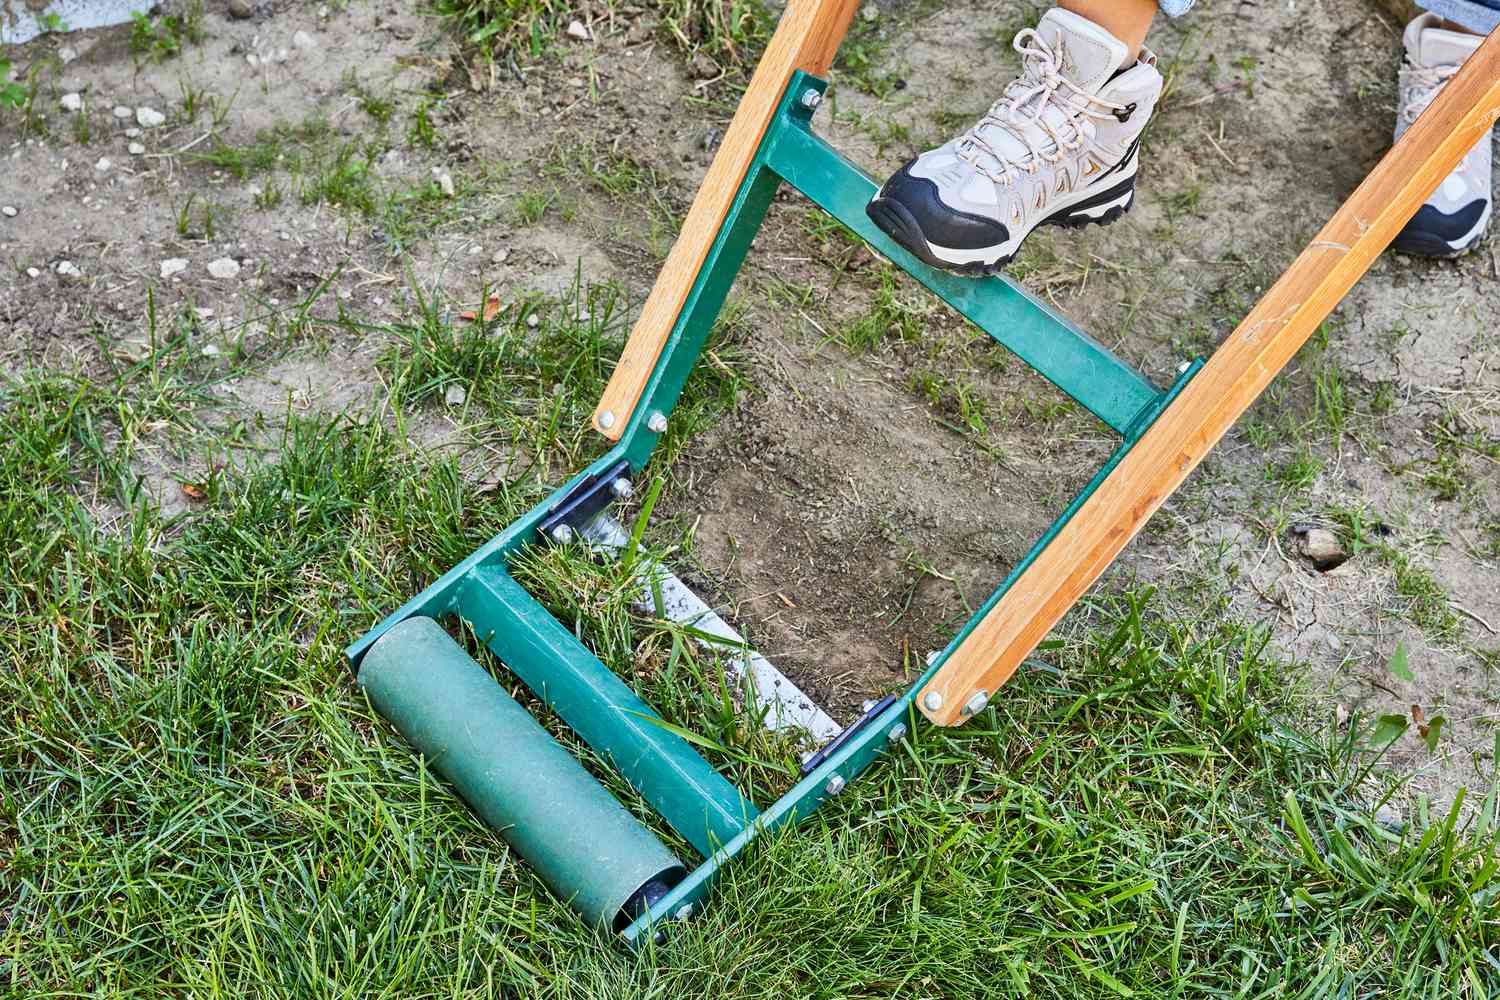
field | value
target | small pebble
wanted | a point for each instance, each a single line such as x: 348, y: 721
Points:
x: 103, y: 165
x: 533, y: 320
x: 135, y: 149
x: 455, y: 395
x: 204, y: 314
x: 9, y: 211
x: 67, y: 54
x: 132, y: 133
x: 122, y: 112
x: 303, y: 40
x: 149, y: 117
x: 500, y: 257
x: 32, y: 272
x: 240, y: 10
x: 68, y: 269
x: 224, y: 268
x: 173, y: 265
x: 578, y: 30
x: 72, y: 102
x: 444, y: 181
x: 210, y: 351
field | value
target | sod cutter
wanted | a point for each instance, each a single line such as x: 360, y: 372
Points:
x: 586, y: 846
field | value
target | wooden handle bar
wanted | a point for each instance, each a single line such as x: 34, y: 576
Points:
x: 807, y: 38
x: 1232, y: 379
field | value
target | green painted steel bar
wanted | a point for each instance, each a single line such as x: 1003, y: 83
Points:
x: 572, y: 832
x: 701, y: 309
x: 698, y: 802
x: 1062, y: 353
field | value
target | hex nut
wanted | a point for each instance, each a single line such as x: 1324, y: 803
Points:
x: 811, y: 98
x: 835, y: 784
x: 562, y: 534
x: 684, y: 911
x: 657, y: 423
x: 622, y: 488
x: 976, y: 703
x: 896, y: 733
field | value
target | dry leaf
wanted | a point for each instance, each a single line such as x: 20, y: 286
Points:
x: 193, y: 492
x: 491, y: 310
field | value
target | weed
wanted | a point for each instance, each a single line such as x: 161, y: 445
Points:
x: 163, y: 36
x: 531, y: 206
x: 12, y: 94
x: 202, y: 225
x: 889, y: 313
x: 1298, y: 471
x: 380, y: 107
x: 422, y: 133
x: 343, y: 179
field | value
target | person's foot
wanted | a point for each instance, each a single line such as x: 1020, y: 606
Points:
x: 1456, y: 215
x: 1060, y: 147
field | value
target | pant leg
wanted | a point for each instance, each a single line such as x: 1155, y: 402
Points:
x: 1479, y: 16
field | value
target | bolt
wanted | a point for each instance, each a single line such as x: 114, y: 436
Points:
x: 932, y: 701
x: 896, y: 733
x: 657, y: 423
x: 811, y: 99
x: 976, y: 703
x: 622, y: 488
x: 562, y: 534
x: 607, y: 419
x: 835, y: 784
x: 684, y: 911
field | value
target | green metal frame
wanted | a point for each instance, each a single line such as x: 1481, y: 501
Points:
x: 708, y: 811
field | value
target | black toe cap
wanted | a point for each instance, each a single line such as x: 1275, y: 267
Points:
x: 1430, y: 222
x: 941, y: 224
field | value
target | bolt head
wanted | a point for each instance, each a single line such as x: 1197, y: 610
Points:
x: 657, y: 423
x: 896, y: 733
x: 562, y: 534
x: 684, y: 911
x: 835, y: 784
x: 607, y: 419
x: 976, y: 703
x: 622, y: 488
x: 932, y: 701
x: 811, y: 98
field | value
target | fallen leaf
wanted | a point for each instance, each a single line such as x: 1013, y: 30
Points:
x: 193, y: 492
x: 491, y: 310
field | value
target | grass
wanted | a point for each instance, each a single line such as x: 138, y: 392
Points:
x: 196, y: 799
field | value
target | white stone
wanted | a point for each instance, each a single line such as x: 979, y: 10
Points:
x: 204, y: 314
x: 103, y: 165
x: 210, y: 351
x: 149, y: 117
x: 135, y: 149
x: 500, y: 256
x: 445, y: 183
x: 577, y: 29
x: 32, y: 272
x: 68, y: 269
x: 123, y: 112
x: 224, y: 268
x: 9, y: 211
x: 303, y: 40
x: 132, y: 133
x: 253, y: 60
x: 533, y: 321
x: 455, y: 395
x: 72, y: 102
x: 67, y: 54
x: 173, y: 265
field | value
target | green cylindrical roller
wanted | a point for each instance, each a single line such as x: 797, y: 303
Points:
x: 569, y: 829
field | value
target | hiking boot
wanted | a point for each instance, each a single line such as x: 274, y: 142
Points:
x: 1060, y: 147
x: 1456, y: 215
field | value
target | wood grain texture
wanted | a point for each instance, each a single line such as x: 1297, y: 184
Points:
x: 807, y: 38
x: 1231, y: 380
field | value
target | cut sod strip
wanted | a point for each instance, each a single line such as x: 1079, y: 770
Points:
x: 781, y: 703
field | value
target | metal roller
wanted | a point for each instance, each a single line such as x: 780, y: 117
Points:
x: 572, y: 832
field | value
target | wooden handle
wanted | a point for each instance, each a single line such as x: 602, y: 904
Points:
x: 807, y: 38
x: 1233, y: 378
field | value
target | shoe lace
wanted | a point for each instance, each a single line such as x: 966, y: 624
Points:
x: 1024, y: 103
x: 1420, y: 85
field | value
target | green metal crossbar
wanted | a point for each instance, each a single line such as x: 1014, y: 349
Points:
x: 700, y: 804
